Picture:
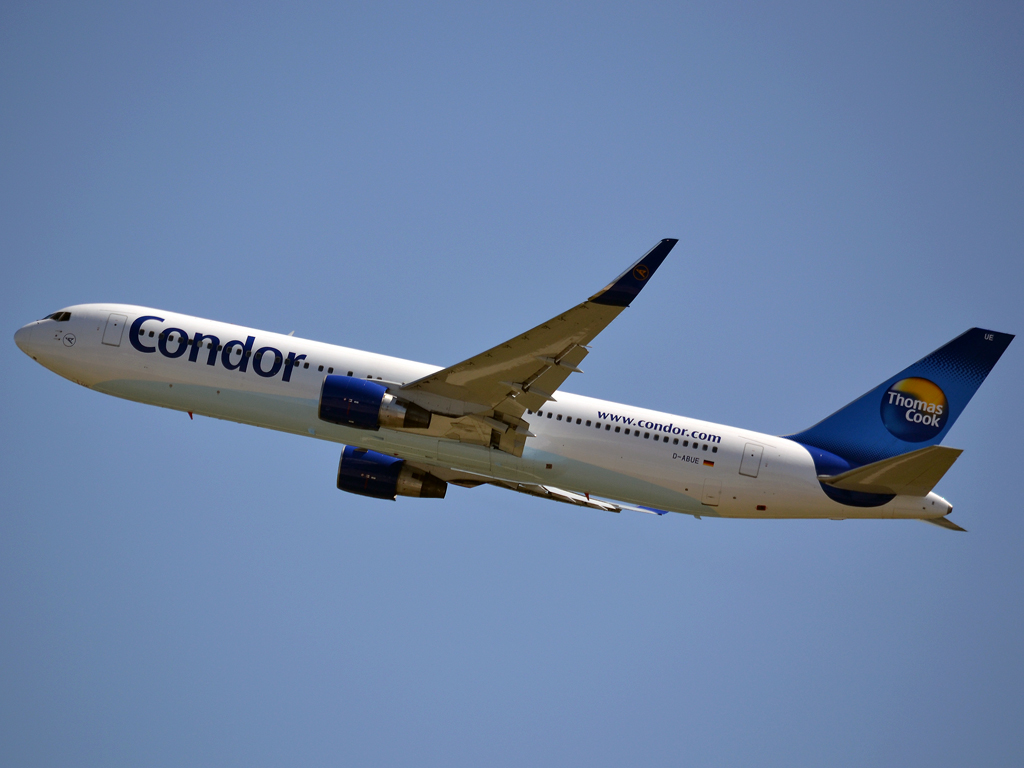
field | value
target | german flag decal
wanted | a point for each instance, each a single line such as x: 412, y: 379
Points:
x: 708, y: 463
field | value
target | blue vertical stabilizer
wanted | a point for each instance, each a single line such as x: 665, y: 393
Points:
x: 913, y: 409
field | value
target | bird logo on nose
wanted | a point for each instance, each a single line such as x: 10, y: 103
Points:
x: 69, y: 339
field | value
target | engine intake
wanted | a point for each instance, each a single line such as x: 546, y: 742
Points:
x: 373, y: 474
x: 366, y: 404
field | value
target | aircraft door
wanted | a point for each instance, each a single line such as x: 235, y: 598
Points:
x: 751, y: 460
x: 712, y: 493
x: 115, y: 327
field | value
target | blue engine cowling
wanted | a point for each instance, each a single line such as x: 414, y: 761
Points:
x: 369, y: 473
x: 366, y: 404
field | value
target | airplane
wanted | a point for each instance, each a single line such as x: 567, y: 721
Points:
x: 501, y: 418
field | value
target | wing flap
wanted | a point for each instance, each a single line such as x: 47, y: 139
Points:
x: 912, y: 474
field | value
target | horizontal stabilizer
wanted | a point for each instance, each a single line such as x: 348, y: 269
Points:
x: 912, y: 474
x: 944, y: 522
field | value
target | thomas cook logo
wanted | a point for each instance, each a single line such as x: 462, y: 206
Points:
x: 641, y: 272
x: 914, y: 409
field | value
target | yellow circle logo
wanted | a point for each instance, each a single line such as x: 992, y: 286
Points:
x: 641, y: 273
x: 914, y: 409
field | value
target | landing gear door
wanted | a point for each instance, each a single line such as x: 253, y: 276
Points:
x: 115, y: 327
x: 751, y: 460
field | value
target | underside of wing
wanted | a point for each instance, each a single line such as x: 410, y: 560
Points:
x: 472, y: 480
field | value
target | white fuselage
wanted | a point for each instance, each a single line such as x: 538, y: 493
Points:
x: 581, y: 444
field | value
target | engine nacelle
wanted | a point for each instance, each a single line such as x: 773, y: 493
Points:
x: 366, y: 404
x: 369, y: 473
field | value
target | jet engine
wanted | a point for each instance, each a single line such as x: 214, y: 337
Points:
x: 366, y: 404
x: 369, y: 473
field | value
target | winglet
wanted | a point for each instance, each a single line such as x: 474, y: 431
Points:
x: 627, y: 285
x: 654, y: 510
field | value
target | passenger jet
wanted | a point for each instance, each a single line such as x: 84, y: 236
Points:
x: 501, y: 417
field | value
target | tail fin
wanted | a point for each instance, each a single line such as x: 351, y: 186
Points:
x: 913, y: 409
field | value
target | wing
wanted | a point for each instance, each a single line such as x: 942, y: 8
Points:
x: 497, y: 386
x: 472, y: 480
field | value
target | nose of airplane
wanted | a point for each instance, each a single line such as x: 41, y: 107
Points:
x: 23, y: 338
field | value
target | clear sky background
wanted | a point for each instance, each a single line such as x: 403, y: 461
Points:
x: 426, y: 181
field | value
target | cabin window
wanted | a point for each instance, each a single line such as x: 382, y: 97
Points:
x: 705, y: 447
x: 714, y: 449
x: 609, y: 426
x: 549, y: 414
x: 305, y: 365
x: 675, y: 441
x: 350, y: 373
x: 330, y: 370
x: 618, y: 429
x: 647, y: 435
x: 559, y: 417
x: 578, y: 421
x: 588, y: 422
x: 320, y: 368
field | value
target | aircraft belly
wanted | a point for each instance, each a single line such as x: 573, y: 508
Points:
x: 275, y: 411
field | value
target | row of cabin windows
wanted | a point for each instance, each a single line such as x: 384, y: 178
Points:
x: 636, y: 432
x: 238, y: 350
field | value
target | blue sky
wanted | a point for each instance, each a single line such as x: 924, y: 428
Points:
x: 847, y: 186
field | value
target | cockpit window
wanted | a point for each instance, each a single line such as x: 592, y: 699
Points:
x: 60, y: 317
